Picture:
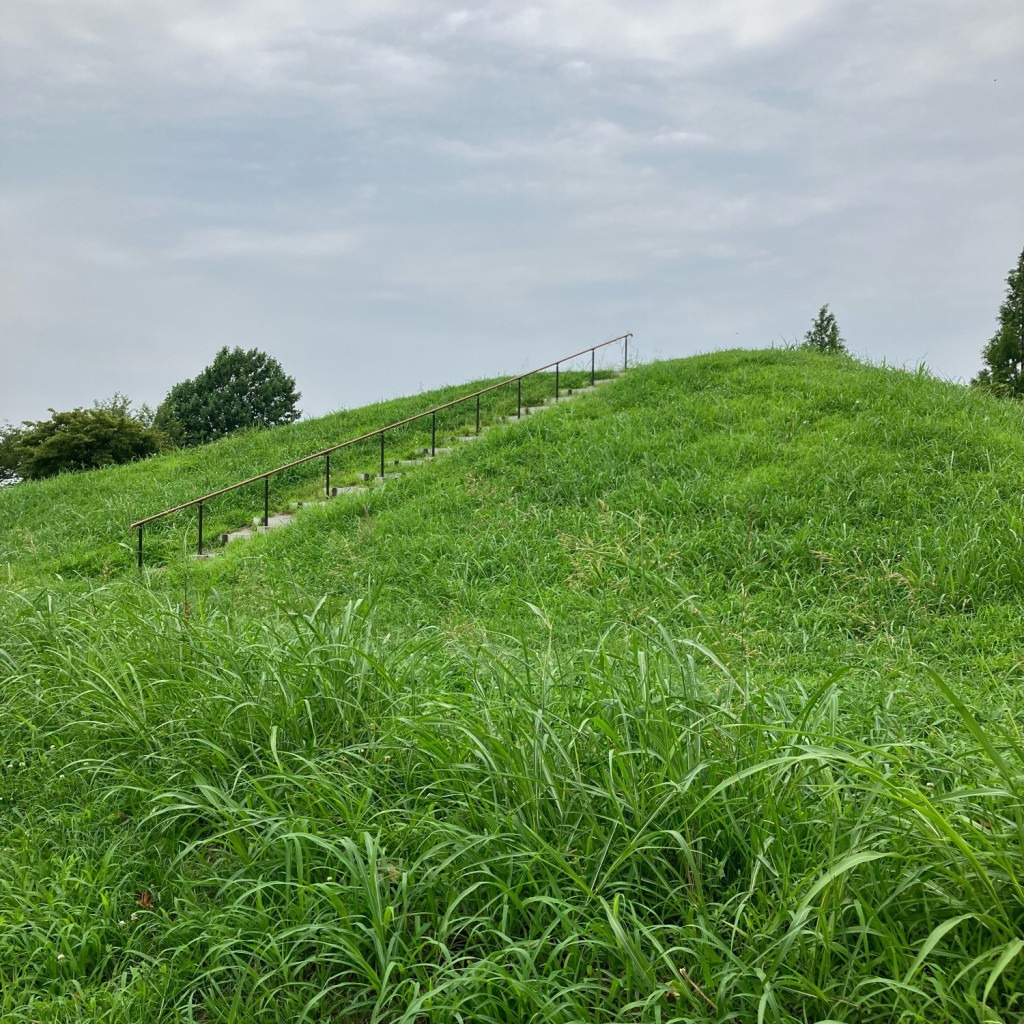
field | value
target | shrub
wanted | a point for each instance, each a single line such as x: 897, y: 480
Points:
x: 824, y: 333
x: 74, y: 440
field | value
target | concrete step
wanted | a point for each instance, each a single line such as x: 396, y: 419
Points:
x: 376, y: 476
x: 348, y: 489
x: 273, y: 522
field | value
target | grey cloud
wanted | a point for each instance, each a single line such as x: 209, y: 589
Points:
x: 387, y: 195
x: 647, y: 31
x: 238, y: 243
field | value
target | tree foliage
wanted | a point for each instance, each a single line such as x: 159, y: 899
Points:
x: 1004, y: 354
x: 238, y: 390
x: 10, y: 437
x: 121, y: 405
x: 74, y: 440
x: 824, y: 333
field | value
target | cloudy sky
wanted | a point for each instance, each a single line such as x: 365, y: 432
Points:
x: 389, y: 195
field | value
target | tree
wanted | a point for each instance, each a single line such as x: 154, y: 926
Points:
x: 74, y: 440
x: 1004, y: 354
x: 121, y: 405
x: 10, y: 458
x: 237, y: 390
x: 824, y: 333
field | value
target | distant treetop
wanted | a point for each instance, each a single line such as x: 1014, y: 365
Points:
x: 824, y: 333
x: 238, y: 390
x: 1004, y: 353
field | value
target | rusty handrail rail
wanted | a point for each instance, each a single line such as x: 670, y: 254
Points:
x: 377, y: 432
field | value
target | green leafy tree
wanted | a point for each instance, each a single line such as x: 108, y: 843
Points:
x: 238, y: 390
x: 1004, y: 354
x: 76, y: 440
x: 824, y: 333
x: 121, y: 405
x: 10, y: 457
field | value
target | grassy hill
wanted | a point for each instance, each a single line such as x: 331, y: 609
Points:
x: 695, y: 699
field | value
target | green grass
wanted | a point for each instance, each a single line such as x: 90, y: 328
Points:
x: 77, y: 525
x: 694, y: 700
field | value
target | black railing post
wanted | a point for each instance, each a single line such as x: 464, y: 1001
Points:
x: 200, y: 528
x: 625, y: 353
x: 140, y: 547
x: 556, y: 381
x: 327, y: 475
x: 519, y: 398
x: 478, y: 415
x: 593, y: 375
x: 433, y: 434
x: 266, y: 502
x: 382, y: 455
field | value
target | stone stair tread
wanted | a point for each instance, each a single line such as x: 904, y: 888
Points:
x: 279, y: 519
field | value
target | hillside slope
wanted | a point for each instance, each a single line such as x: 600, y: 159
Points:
x: 790, y: 509
x: 696, y: 699
x: 76, y: 525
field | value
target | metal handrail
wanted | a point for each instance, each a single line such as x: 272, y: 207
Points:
x: 325, y: 453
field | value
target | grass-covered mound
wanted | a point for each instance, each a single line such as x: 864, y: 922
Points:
x: 638, y: 724
x: 798, y: 513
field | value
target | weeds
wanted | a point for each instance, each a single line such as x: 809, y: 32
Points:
x: 633, y: 727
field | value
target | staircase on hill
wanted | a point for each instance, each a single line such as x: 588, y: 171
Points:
x: 394, y: 469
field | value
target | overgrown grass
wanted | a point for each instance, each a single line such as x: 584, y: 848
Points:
x: 696, y: 700
x: 333, y: 826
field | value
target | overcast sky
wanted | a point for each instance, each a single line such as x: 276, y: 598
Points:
x: 390, y: 195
